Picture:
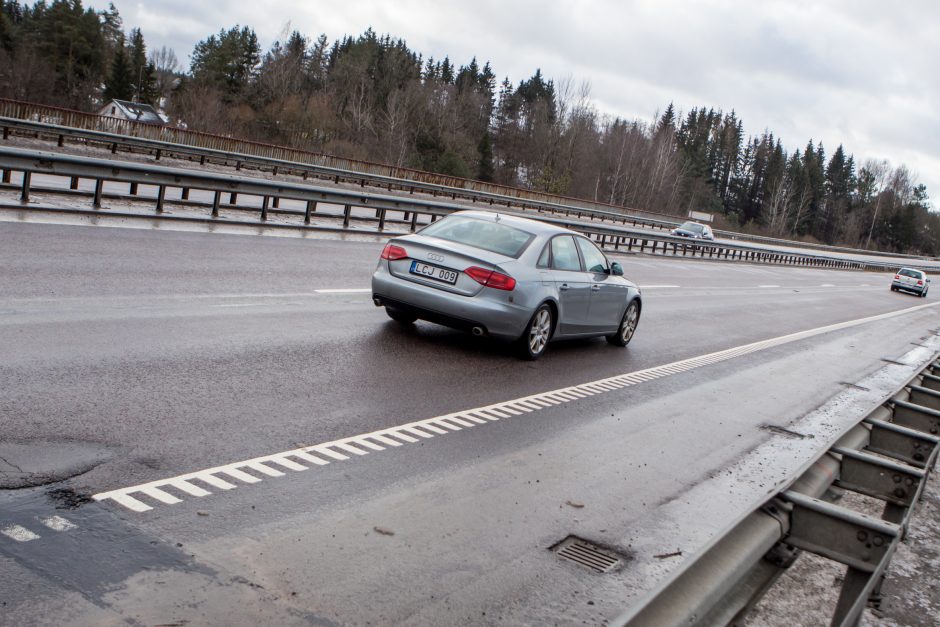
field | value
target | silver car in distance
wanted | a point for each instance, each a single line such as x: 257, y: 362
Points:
x: 506, y: 277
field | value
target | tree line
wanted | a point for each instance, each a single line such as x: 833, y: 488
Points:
x: 371, y: 97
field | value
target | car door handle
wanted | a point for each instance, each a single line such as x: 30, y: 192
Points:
x: 564, y: 287
x: 595, y: 288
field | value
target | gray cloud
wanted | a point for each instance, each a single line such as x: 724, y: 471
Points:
x: 857, y: 72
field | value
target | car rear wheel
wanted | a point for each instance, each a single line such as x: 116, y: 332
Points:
x: 539, y: 330
x: 402, y: 317
x: 631, y: 317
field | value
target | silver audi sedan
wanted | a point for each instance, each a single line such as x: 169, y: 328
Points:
x: 506, y: 277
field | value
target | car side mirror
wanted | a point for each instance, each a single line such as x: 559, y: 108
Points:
x: 616, y: 269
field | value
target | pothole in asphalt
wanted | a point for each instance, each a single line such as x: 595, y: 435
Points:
x: 41, y: 462
x: 67, y: 498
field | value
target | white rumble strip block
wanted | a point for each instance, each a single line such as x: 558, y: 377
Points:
x: 20, y: 533
x: 328, y: 452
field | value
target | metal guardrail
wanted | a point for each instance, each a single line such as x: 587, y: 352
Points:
x: 394, y: 210
x: 886, y: 456
x: 159, y: 149
x: 81, y: 120
x: 136, y: 136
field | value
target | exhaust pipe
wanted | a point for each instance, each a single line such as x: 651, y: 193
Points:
x: 478, y: 331
x: 377, y: 301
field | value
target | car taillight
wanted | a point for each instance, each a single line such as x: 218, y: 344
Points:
x: 920, y: 282
x: 393, y: 253
x: 491, y: 278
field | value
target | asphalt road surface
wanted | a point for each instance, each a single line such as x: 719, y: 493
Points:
x: 130, y: 356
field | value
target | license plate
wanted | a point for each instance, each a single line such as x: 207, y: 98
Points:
x: 433, y: 272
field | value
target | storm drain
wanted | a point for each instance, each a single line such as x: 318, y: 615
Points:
x: 584, y: 553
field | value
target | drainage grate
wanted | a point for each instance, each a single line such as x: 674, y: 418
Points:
x: 587, y: 554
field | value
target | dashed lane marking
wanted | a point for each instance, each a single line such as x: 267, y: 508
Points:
x: 768, y: 286
x: 22, y: 534
x: 345, y: 291
x: 199, y: 484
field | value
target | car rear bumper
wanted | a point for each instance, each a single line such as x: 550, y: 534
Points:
x: 908, y: 288
x: 488, y: 309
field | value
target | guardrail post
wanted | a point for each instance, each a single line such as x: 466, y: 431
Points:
x: 347, y: 209
x: 381, y: 219
x: 156, y: 157
x: 216, y: 198
x: 133, y: 189
x: 6, y: 133
x: 238, y: 166
x: 233, y: 198
x: 264, y: 208
x: 311, y: 208
x: 304, y: 175
x: 362, y: 183
x: 161, y: 195
x: 114, y: 148
x: 24, y: 192
x: 202, y: 160
x: 414, y: 221
x: 6, y: 176
x: 99, y: 189
x: 276, y: 202
x: 184, y: 193
x: 274, y: 171
x: 61, y: 140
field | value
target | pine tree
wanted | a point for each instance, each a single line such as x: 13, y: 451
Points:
x: 120, y: 82
x: 485, y: 169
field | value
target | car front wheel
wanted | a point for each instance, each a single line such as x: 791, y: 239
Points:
x: 631, y: 317
x: 537, y: 334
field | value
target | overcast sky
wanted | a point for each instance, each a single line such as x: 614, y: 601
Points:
x: 858, y: 72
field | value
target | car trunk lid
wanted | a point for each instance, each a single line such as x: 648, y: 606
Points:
x: 447, y: 256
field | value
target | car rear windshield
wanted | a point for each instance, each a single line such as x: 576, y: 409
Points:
x: 693, y: 226
x: 491, y: 236
x: 916, y: 274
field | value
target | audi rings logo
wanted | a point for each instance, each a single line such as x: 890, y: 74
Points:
x: 435, y: 257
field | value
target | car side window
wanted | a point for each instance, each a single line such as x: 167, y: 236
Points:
x: 564, y: 254
x: 594, y: 259
x: 545, y: 257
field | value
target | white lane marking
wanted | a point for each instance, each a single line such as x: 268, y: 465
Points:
x: 57, y: 523
x: 18, y: 533
x: 345, y: 291
x: 468, y: 418
x: 768, y: 286
x: 827, y: 285
x: 652, y: 287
